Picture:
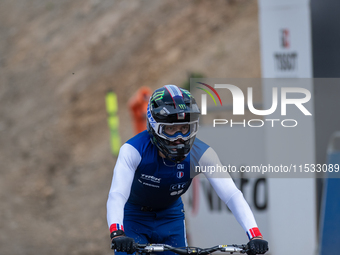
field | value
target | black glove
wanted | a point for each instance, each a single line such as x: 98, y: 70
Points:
x: 120, y: 242
x: 257, y: 246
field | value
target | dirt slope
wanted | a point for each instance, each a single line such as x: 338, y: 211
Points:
x: 57, y: 60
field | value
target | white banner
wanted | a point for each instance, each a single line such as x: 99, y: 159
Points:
x: 285, y: 35
x: 285, y: 38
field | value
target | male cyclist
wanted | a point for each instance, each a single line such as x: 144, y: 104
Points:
x: 155, y: 168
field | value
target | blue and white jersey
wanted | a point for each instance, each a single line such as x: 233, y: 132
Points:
x: 158, y: 182
x: 141, y: 177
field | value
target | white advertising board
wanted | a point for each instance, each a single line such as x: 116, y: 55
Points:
x: 285, y: 38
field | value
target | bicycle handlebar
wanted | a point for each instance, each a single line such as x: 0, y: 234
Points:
x: 148, y: 248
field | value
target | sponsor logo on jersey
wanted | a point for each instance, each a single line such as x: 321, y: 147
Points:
x: 150, y: 178
x: 180, y: 166
x: 178, y: 186
x: 149, y: 184
x: 174, y: 193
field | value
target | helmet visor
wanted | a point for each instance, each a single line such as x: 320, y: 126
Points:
x: 174, y: 131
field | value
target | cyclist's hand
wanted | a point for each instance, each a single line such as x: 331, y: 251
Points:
x: 257, y: 246
x: 123, y: 243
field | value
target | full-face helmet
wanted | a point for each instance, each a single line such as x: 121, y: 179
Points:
x: 172, y: 121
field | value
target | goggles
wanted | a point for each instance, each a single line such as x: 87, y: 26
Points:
x: 174, y: 131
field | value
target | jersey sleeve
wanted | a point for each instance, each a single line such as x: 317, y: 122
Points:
x: 123, y: 174
x: 230, y: 194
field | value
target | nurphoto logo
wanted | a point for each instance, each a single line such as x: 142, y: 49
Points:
x: 238, y: 104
